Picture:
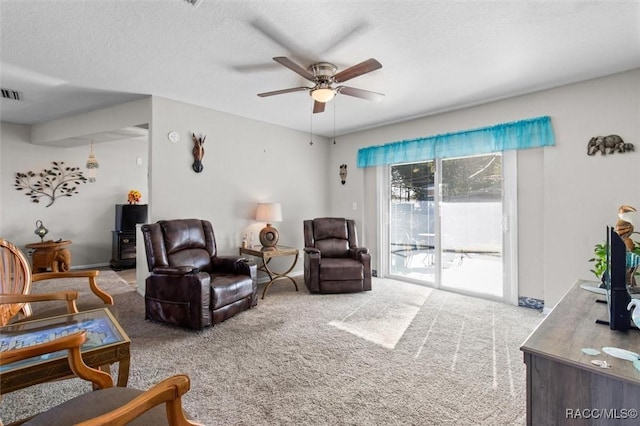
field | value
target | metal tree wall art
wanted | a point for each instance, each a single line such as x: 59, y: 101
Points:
x: 58, y: 181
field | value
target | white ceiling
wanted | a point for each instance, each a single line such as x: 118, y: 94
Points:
x: 73, y: 56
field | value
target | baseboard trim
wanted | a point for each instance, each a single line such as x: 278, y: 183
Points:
x: 91, y: 266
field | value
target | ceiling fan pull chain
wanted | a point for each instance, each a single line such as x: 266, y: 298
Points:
x: 311, y: 129
x: 334, y: 121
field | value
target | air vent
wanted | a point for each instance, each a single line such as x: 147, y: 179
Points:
x: 11, y: 94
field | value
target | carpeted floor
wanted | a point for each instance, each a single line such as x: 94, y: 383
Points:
x: 401, y: 355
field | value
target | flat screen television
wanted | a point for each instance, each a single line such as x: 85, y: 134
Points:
x: 618, y: 296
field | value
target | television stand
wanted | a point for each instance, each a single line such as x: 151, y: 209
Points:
x: 561, y: 377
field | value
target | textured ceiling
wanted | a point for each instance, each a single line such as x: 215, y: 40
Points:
x: 73, y: 56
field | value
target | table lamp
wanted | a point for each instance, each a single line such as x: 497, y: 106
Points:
x: 269, y: 212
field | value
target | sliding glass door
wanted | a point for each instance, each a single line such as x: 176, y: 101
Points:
x: 452, y: 237
x: 471, y: 224
x: 412, y: 221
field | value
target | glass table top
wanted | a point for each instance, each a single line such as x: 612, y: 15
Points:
x: 102, y: 330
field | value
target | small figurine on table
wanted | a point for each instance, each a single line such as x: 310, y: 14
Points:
x: 624, y: 228
x: 624, y: 225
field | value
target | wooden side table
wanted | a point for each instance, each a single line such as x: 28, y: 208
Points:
x: 268, y: 253
x: 50, y: 254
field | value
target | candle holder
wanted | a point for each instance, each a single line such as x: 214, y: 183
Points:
x: 40, y: 231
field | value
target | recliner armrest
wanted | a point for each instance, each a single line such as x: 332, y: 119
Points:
x: 311, y: 250
x: 177, y: 271
x: 245, y: 266
x: 357, y: 252
x: 231, y: 265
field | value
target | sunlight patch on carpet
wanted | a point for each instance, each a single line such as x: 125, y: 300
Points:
x: 384, y: 317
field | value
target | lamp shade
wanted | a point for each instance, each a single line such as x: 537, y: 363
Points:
x: 269, y: 212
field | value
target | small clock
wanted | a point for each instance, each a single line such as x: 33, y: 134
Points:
x: 173, y: 137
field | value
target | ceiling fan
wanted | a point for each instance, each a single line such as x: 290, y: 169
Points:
x: 324, y: 76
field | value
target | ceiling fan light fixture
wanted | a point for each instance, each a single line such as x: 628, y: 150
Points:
x: 323, y: 94
x: 323, y: 76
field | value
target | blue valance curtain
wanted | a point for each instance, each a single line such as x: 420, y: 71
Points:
x: 529, y: 133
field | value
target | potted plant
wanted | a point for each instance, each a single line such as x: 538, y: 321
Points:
x: 600, y: 262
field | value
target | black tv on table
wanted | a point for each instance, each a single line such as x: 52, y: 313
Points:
x: 618, y: 296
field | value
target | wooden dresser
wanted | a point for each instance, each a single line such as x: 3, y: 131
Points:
x: 563, y: 386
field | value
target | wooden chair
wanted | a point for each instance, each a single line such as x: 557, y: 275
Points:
x: 16, y: 279
x: 109, y: 405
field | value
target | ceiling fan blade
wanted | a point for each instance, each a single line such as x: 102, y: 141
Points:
x: 356, y: 70
x: 283, y: 40
x: 251, y: 68
x: 342, y: 38
x: 282, y: 60
x: 360, y: 93
x: 318, y: 107
x: 280, y: 92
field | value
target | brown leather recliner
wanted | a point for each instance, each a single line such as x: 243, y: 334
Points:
x: 190, y: 284
x: 333, y: 262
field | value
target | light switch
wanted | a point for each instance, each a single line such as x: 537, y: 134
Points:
x: 139, y: 161
x: 355, y: 206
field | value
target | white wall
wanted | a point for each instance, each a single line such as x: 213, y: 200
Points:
x: 86, y: 218
x: 2, y: 190
x: 245, y: 162
x: 104, y: 120
x: 566, y: 198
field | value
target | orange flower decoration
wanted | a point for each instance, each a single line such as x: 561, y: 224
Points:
x: 134, y: 196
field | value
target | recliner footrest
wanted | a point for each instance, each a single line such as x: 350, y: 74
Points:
x: 227, y: 289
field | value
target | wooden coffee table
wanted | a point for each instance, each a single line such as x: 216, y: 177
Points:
x: 107, y: 343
